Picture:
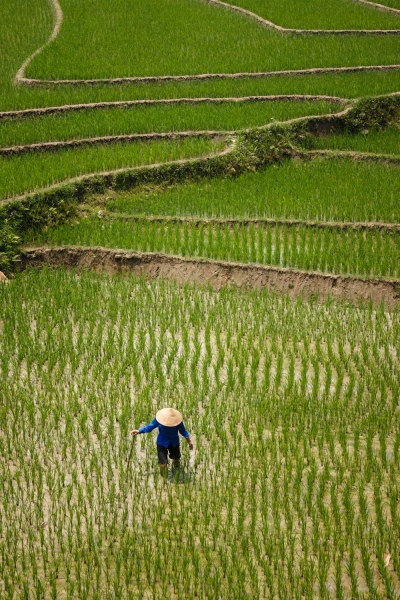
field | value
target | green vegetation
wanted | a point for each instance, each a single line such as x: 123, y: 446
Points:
x: 157, y: 118
x: 10, y: 248
x: 323, y: 190
x: 293, y: 486
x: 24, y: 27
x: 392, y: 3
x: 370, y: 253
x: 26, y: 172
x: 189, y: 38
x: 292, y: 491
x: 369, y: 140
x: 319, y: 14
x: 344, y: 85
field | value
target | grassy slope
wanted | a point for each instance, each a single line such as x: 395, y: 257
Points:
x: 307, y: 191
x: 99, y: 39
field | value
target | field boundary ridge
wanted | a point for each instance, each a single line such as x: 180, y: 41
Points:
x: 34, y: 112
x: 206, y: 76
x: 58, y: 19
x: 216, y: 274
x: 270, y: 25
x: 247, y: 221
x: 111, y: 139
x: 390, y: 159
x: 379, y: 6
x: 112, y: 179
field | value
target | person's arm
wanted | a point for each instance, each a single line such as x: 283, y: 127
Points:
x: 185, y: 434
x: 146, y: 428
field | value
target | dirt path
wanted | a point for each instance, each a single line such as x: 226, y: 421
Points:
x: 35, y: 112
x: 217, y: 273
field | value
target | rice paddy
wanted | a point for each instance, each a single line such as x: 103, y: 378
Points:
x: 163, y: 118
x: 362, y: 253
x: 374, y: 140
x: 319, y: 190
x: 189, y: 39
x: 292, y: 489
x: 27, y: 172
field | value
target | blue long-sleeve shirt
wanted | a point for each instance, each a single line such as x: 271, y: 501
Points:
x: 166, y: 435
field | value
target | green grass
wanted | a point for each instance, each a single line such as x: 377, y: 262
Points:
x: 24, y: 28
x: 27, y: 172
x: 374, y: 140
x: 335, y: 189
x: 392, y: 3
x: 371, y: 254
x: 159, y: 118
x: 293, y: 485
x: 345, y: 85
x: 319, y: 14
x: 173, y: 37
x: 292, y: 490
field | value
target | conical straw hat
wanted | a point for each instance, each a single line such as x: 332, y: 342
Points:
x: 169, y: 417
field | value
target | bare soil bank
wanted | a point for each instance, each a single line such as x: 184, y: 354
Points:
x: 217, y: 273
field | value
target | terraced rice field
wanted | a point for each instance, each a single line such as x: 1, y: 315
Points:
x: 200, y: 208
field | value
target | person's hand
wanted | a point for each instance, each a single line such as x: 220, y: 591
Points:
x: 190, y: 443
x: 134, y: 431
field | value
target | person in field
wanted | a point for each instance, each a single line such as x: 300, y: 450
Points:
x: 170, y: 423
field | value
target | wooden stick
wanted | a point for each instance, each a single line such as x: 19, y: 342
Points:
x: 130, y: 453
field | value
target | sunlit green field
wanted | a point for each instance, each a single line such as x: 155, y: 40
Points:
x: 292, y: 490
x: 164, y: 118
x: 193, y: 38
x: 371, y: 254
x: 318, y: 190
x: 26, y: 172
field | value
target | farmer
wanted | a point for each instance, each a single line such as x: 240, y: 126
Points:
x: 169, y: 422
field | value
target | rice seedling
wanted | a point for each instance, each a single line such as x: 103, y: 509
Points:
x: 24, y: 172
x: 319, y: 457
x: 323, y: 190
